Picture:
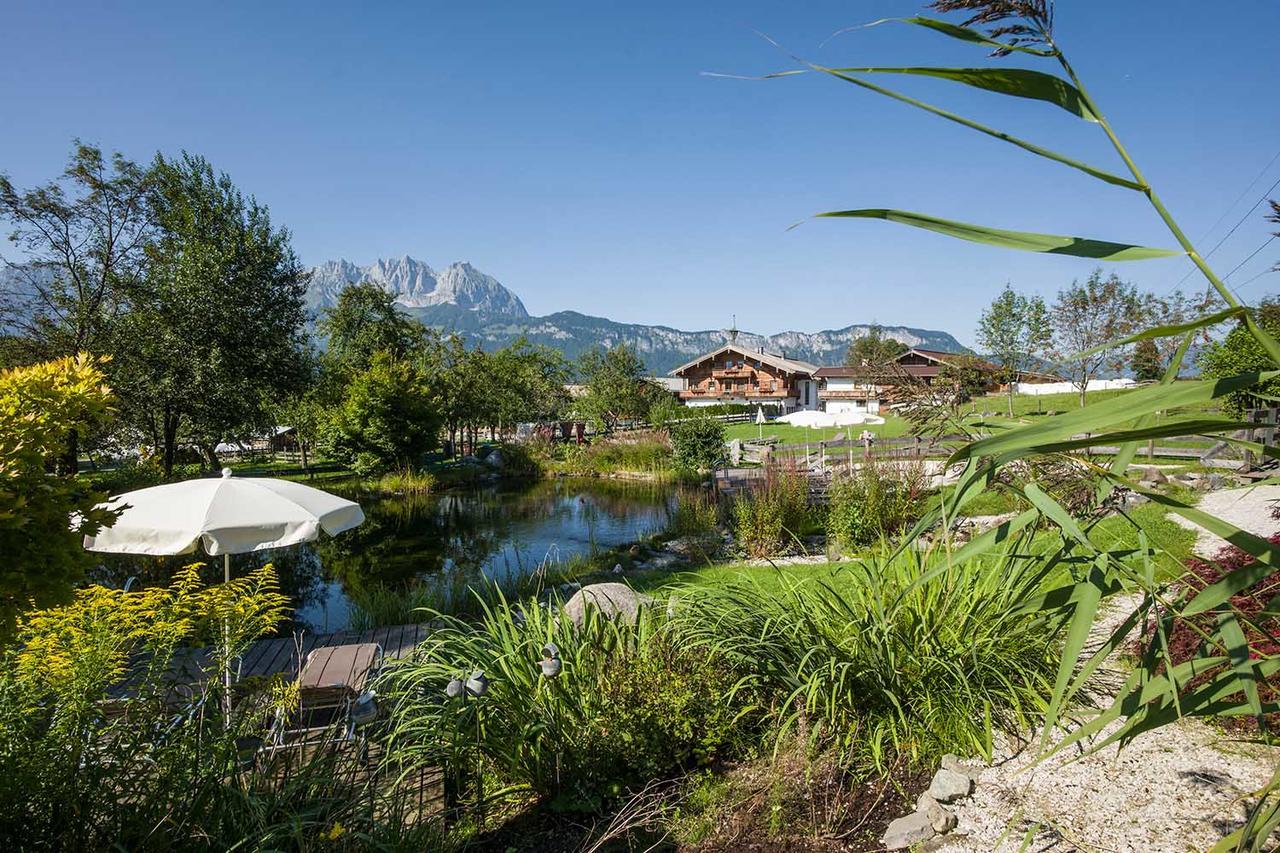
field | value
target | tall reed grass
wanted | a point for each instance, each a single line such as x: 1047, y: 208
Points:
x: 914, y: 655
x: 770, y: 517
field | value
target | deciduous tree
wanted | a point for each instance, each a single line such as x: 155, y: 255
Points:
x: 43, y: 516
x: 386, y: 418
x: 216, y: 326
x: 616, y: 386
x: 1014, y: 330
x: 1088, y: 318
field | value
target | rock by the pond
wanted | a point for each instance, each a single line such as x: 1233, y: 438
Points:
x: 662, y: 561
x: 495, y: 459
x: 686, y: 545
x: 915, y: 828
x: 948, y: 786
x: 612, y: 600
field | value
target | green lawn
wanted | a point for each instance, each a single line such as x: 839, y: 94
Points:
x: 892, y: 427
x: 1028, y: 406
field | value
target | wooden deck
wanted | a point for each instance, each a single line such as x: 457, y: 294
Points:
x: 273, y: 656
x: 281, y: 655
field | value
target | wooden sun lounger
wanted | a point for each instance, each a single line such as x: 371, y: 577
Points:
x: 331, y: 680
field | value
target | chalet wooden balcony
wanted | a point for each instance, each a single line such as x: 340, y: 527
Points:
x: 752, y: 391
x: 733, y: 373
x: 848, y: 394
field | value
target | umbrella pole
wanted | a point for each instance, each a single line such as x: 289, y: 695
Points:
x: 226, y: 646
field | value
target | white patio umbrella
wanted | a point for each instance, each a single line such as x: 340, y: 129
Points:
x: 853, y: 418
x: 760, y: 421
x: 810, y: 418
x: 228, y: 515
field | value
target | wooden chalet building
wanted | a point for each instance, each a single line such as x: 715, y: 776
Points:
x: 738, y: 374
x: 926, y: 365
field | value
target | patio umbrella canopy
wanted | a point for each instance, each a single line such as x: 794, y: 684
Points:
x: 227, y: 515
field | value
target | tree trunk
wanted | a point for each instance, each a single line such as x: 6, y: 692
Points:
x: 302, y: 448
x: 210, y: 454
x: 69, y: 464
x: 170, y: 426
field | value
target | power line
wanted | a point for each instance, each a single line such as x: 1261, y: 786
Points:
x: 1231, y: 207
x: 1258, y: 276
x: 1239, y: 222
x: 1252, y: 254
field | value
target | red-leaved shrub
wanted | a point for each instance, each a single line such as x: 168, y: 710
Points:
x: 1259, y: 625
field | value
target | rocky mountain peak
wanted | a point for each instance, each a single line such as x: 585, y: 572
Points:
x: 416, y: 285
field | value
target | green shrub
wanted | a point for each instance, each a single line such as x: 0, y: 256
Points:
x: 697, y: 444
x: 770, y: 517
x: 519, y: 460
x: 874, y: 501
x: 911, y: 656
x: 639, y: 452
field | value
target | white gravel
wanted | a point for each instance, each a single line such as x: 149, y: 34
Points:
x: 1248, y: 508
x: 1178, y: 788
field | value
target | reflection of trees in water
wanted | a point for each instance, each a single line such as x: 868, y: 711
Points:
x: 450, y: 538
x: 447, y: 541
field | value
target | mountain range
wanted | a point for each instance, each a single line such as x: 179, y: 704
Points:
x: 461, y: 298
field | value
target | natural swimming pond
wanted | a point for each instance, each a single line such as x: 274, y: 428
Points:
x: 446, y: 542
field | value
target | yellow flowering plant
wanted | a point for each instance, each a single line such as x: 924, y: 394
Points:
x: 100, y: 723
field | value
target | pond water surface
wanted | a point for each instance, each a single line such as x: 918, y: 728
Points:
x: 452, y: 540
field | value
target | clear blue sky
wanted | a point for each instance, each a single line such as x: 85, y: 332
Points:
x: 574, y: 150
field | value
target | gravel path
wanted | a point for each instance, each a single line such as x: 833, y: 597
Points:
x: 1178, y: 788
x: 1248, y: 508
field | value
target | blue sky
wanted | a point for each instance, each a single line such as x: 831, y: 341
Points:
x: 575, y: 151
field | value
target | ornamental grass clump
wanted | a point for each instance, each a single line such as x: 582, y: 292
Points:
x: 769, y: 518
x: 874, y: 501
x: 912, y: 656
x: 624, y: 703
x: 695, y: 514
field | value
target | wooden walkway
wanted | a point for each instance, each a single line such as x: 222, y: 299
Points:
x: 191, y: 668
x: 281, y: 655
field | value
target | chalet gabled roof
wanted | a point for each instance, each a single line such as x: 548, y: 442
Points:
x: 790, y: 365
x: 939, y: 357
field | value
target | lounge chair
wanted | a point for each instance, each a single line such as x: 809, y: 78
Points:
x: 334, y: 697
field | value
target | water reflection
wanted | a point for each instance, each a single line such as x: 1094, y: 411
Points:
x: 453, y: 540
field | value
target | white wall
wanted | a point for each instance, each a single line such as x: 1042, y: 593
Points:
x: 837, y: 407
x: 1040, y: 389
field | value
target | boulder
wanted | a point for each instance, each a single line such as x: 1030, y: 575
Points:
x: 902, y: 833
x: 612, y: 600
x: 955, y: 765
x: 687, y: 546
x: 495, y: 459
x: 1153, y: 475
x: 942, y: 820
x: 948, y: 786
